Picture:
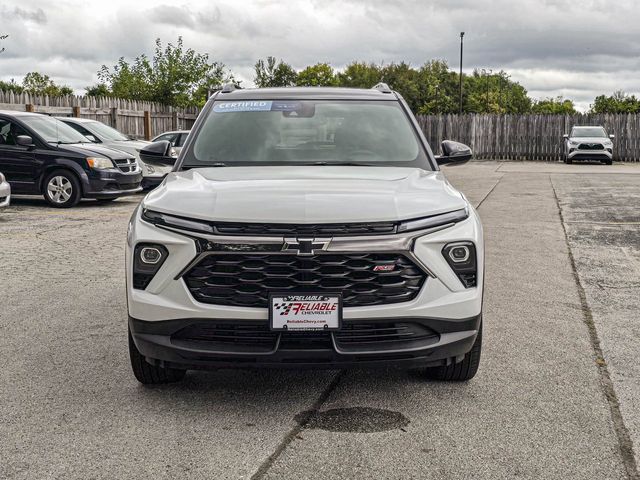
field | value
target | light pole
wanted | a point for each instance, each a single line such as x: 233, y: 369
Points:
x: 461, y: 46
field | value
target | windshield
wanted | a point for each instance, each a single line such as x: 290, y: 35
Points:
x: 53, y: 130
x: 105, y: 132
x: 309, y: 132
x: 588, y: 132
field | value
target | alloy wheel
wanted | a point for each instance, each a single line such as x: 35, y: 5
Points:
x: 59, y: 189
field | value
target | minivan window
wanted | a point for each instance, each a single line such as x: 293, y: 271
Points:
x: 107, y: 133
x: 306, y: 132
x: 53, y: 130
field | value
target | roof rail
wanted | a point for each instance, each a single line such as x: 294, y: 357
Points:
x: 228, y: 88
x: 382, y: 87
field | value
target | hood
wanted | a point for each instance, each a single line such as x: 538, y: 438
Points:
x: 306, y: 194
x: 590, y: 139
x: 93, y: 149
x: 132, y: 147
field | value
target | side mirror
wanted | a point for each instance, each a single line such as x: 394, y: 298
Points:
x: 612, y: 136
x: 158, y: 153
x: 24, y: 141
x: 565, y: 136
x: 454, y: 152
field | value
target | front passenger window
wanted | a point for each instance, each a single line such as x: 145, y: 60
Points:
x: 9, y: 131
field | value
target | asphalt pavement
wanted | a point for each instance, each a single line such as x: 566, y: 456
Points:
x: 557, y: 393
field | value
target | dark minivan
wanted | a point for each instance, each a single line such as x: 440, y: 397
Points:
x: 42, y: 155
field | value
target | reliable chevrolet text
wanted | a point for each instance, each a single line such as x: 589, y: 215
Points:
x: 305, y: 227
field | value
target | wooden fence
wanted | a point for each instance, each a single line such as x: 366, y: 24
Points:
x: 529, y: 137
x: 138, y: 119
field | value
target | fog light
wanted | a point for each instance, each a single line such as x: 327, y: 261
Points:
x: 150, y: 255
x: 459, y: 254
x: 461, y: 257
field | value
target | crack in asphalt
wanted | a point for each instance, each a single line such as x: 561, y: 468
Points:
x: 625, y: 443
x: 302, y: 419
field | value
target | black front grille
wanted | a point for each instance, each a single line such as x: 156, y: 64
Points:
x: 126, y: 165
x: 246, y: 279
x: 283, y: 229
x: 590, y: 146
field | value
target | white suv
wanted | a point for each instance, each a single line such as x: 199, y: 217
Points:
x: 305, y: 227
x: 588, y: 143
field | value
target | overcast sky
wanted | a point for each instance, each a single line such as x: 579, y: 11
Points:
x: 573, y: 48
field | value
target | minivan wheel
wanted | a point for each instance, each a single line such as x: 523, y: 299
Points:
x: 464, y: 370
x: 148, y: 374
x: 62, y: 189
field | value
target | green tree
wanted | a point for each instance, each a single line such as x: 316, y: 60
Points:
x: 318, y: 75
x: 98, y: 90
x: 359, y: 75
x: 554, y: 106
x: 487, y: 92
x: 619, y: 102
x: 175, y: 76
x: 437, y: 88
x: 404, y: 79
x: 11, y: 86
x: 37, y: 83
x: 273, y: 73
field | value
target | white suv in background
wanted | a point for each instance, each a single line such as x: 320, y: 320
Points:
x: 588, y: 143
x: 305, y: 227
x: 98, y: 132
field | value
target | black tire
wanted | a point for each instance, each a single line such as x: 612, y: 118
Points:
x: 148, y: 374
x: 68, y: 190
x: 608, y: 162
x: 567, y: 160
x: 462, y: 371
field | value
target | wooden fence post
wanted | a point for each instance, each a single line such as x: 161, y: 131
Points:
x: 29, y: 107
x: 174, y: 121
x: 147, y: 125
x: 76, y: 112
x: 114, y: 118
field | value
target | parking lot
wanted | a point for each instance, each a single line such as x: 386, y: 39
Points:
x: 557, y: 394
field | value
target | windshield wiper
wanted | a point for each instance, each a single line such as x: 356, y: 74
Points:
x: 344, y: 164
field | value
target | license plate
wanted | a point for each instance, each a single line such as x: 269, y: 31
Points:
x: 310, y: 312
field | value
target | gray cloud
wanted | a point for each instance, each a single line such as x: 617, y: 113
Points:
x: 37, y: 16
x: 552, y: 47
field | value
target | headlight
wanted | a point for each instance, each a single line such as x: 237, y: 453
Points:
x: 100, y: 163
x: 434, y: 221
x: 158, y: 218
x: 2, y: 179
x: 572, y: 143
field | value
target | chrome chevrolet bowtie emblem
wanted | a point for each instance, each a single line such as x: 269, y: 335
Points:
x: 305, y: 246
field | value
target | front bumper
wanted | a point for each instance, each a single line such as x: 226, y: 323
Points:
x: 149, y: 182
x: 5, y: 194
x: 597, y: 155
x: 112, y: 184
x: 162, y: 345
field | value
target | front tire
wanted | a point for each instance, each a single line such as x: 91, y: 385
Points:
x: 62, y: 189
x: 148, y: 374
x: 462, y: 371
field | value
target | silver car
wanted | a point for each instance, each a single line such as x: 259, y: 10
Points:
x: 176, y: 138
x: 98, y: 132
x: 5, y: 192
x: 588, y: 143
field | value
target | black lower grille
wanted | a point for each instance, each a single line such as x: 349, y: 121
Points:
x: 247, y: 279
x: 353, y: 337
